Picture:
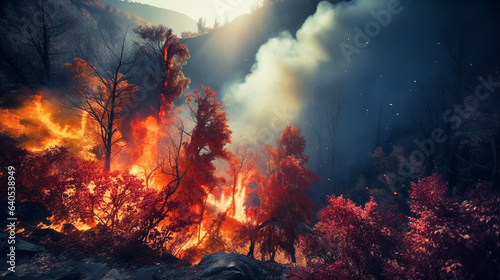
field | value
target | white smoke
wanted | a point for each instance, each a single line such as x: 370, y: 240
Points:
x: 272, y: 95
x: 289, y: 69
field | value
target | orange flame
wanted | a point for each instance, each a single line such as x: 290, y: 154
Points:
x: 140, y: 155
x: 224, y: 204
x: 39, y: 124
x: 36, y: 127
x: 59, y: 225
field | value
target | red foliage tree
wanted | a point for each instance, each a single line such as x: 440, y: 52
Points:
x: 451, y: 238
x: 38, y: 178
x: 282, y: 196
x: 350, y: 242
x: 207, y: 143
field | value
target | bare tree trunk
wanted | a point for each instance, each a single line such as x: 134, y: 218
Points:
x: 292, y: 254
x: 251, y: 249
x: 46, y: 44
x: 111, y: 119
x: 494, y: 151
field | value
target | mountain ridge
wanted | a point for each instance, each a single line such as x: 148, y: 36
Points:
x: 178, y: 22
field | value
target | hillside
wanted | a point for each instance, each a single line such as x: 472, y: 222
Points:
x: 177, y: 21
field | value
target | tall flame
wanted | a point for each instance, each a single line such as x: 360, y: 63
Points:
x: 224, y: 203
x: 39, y: 124
x: 143, y: 151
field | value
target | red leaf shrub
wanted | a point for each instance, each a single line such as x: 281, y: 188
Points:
x: 350, y: 242
x: 448, y: 238
x: 451, y: 237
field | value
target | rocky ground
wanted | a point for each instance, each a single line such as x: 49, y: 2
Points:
x: 40, y: 255
x: 36, y: 262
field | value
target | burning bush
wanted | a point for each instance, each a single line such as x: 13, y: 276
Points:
x: 82, y: 193
x: 112, y: 204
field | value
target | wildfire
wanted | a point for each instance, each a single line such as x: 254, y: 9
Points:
x: 140, y: 155
x: 59, y: 225
x: 224, y: 204
x: 146, y: 149
x: 39, y: 124
x: 240, y: 197
x: 35, y: 126
x: 220, y: 221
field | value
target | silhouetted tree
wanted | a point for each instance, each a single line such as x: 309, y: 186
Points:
x: 202, y: 27
x: 327, y: 109
x: 101, y: 88
x: 33, y: 38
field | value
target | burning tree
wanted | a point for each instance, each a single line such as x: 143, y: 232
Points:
x: 242, y: 165
x: 166, y: 214
x: 166, y: 56
x: 175, y: 55
x: 179, y: 163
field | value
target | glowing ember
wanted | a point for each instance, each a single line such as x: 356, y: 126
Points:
x: 59, y: 225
